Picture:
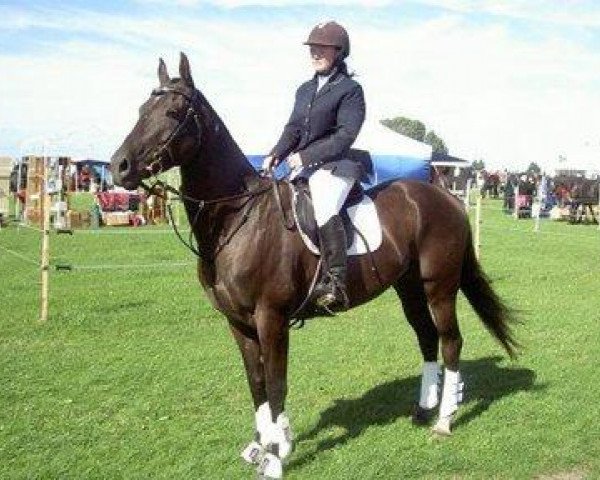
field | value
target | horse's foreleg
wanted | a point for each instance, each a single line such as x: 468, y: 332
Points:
x: 247, y: 340
x: 273, y: 333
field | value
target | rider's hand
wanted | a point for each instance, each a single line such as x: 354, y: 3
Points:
x: 269, y: 162
x: 294, y: 161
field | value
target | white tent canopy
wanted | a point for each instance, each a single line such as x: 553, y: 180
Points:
x: 380, y: 140
x: 585, y: 156
x: 373, y: 137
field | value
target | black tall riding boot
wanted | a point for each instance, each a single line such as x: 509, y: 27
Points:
x: 330, y: 291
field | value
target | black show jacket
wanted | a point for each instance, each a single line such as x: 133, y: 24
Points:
x: 323, y: 124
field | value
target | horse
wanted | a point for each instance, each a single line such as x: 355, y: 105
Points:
x: 256, y: 270
x: 584, y: 195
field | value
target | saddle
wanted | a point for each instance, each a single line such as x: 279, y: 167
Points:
x: 359, y: 215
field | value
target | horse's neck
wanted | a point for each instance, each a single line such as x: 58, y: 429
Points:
x: 220, y: 171
x: 220, y: 168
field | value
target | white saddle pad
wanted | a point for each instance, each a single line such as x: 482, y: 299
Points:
x: 364, y: 217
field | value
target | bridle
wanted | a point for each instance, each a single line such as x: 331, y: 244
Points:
x: 157, y: 163
x: 164, y: 153
x: 162, y: 158
x: 158, y: 160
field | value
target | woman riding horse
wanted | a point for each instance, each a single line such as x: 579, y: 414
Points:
x: 426, y: 255
x: 328, y: 113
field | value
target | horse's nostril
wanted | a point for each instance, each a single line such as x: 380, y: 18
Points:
x: 124, y: 165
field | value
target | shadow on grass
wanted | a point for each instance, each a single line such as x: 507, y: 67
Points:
x: 122, y: 306
x: 485, y: 383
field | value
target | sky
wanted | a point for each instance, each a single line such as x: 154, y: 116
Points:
x: 507, y: 82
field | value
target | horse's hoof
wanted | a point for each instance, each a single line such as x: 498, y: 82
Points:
x: 442, y: 428
x: 286, y: 445
x: 270, y: 467
x: 422, y: 416
x: 253, y: 453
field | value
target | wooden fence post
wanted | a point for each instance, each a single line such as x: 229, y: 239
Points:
x: 18, y: 206
x: 45, y: 260
x: 536, y: 227
x: 515, y: 203
x: 478, y: 228
x: 467, y: 195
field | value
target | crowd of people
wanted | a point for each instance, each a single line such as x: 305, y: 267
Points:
x: 568, y: 193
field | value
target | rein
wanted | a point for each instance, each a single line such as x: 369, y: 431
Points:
x: 201, y: 204
x: 295, y: 321
x: 157, y: 165
x: 286, y: 223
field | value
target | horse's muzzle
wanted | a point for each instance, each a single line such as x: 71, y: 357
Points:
x: 124, y: 172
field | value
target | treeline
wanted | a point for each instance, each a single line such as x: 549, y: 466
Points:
x: 416, y: 130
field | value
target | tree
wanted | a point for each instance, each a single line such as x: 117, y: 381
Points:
x: 534, y: 168
x: 406, y: 126
x: 416, y: 130
x: 478, y: 164
x: 436, y: 142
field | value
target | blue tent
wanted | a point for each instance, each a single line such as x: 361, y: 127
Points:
x: 386, y: 155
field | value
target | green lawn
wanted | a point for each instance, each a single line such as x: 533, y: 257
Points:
x: 135, y: 375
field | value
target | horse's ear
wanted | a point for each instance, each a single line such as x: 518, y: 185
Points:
x: 184, y: 70
x: 163, y: 76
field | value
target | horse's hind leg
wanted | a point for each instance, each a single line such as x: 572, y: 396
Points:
x: 442, y: 302
x: 411, y: 293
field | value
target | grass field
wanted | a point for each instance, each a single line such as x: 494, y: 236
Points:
x: 135, y: 375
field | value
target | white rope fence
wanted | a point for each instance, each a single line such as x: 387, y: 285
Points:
x: 479, y: 223
x: 28, y: 227
x: 131, y: 231
x: 44, y: 265
x: 496, y: 208
x: 579, y: 236
x: 131, y: 266
x: 18, y: 255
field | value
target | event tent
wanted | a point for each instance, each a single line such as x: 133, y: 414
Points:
x: 100, y: 169
x: 584, y: 156
x: 390, y: 155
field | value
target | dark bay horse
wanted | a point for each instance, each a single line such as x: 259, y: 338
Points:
x: 584, y: 196
x: 257, y: 272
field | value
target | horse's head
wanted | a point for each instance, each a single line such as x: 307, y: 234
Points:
x: 168, y: 132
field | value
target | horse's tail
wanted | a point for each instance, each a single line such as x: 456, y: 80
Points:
x: 493, y: 312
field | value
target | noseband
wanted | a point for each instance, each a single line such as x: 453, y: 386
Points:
x: 157, y: 165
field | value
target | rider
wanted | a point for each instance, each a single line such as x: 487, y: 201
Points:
x: 328, y: 113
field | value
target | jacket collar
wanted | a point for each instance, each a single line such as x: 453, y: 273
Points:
x: 334, y: 80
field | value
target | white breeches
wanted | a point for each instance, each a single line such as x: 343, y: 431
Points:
x: 329, y: 192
